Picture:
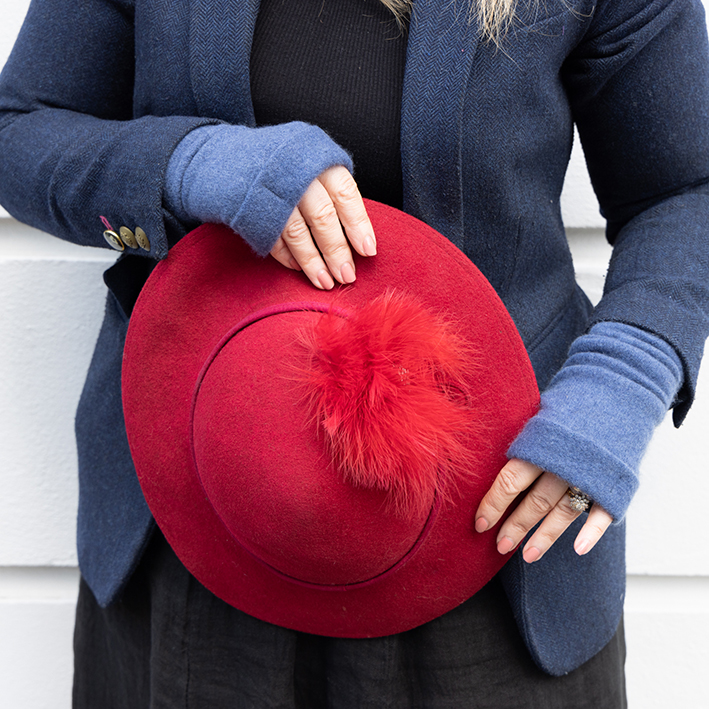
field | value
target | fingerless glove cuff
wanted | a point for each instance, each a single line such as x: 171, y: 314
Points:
x: 248, y: 178
x: 600, y: 410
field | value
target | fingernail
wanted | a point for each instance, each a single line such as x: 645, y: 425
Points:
x: 531, y: 554
x: 582, y: 547
x: 347, y: 273
x: 370, y: 248
x: 325, y: 280
x: 505, y: 545
x: 481, y: 524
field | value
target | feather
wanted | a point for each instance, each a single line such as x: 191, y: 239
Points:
x: 390, y: 388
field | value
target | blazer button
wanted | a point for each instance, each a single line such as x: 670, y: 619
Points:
x: 128, y: 237
x: 114, y: 241
x: 142, y: 239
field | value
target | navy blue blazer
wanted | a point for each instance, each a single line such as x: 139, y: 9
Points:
x: 97, y: 94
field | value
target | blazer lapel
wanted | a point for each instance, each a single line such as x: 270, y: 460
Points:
x: 442, y: 43
x: 441, y: 46
x: 221, y: 32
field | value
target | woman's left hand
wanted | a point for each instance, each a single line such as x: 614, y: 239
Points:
x: 546, y: 499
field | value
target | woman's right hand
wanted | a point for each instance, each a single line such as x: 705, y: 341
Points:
x: 329, y: 219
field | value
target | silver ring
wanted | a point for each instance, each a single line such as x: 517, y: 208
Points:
x: 578, y: 500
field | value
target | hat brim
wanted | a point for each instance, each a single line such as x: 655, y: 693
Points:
x: 211, y: 281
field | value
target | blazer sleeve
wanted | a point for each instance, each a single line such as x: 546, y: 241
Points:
x: 70, y: 149
x: 638, y: 85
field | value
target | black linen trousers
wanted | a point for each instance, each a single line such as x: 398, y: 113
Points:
x: 169, y: 643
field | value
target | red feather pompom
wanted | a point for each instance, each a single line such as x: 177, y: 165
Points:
x: 390, y: 388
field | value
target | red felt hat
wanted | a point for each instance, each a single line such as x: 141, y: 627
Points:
x: 316, y: 458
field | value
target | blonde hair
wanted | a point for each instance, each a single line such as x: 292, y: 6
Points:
x: 493, y: 16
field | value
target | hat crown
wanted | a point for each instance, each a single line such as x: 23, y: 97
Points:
x: 268, y: 474
x: 255, y: 542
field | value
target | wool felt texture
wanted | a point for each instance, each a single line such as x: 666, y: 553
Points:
x: 237, y: 472
x: 248, y: 178
x: 486, y: 136
x: 625, y: 380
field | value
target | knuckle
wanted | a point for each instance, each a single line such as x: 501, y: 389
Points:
x: 488, y: 503
x: 358, y: 222
x: 323, y: 216
x: 507, y: 481
x: 549, y: 532
x: 345, y: 190
x: 337, y: 252
x: 491, y: 508
x: 547, y: 538
x: 539, y: 503
x: 519, y: 527
x: 296, y: 232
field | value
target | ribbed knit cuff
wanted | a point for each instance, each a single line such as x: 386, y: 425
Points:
x: 600, y: 410
x: 579, y: 461
x: 306, y: 152
x: 248, y: 178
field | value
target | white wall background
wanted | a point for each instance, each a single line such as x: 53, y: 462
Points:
x: 52, y: 300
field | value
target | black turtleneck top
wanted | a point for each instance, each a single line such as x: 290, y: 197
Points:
x: 338, y: 64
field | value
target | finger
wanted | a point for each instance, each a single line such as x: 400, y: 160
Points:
x: 297, y: 238
x: 283, y: 255
x: 541, y: 500
x: 345, y: 195
x: 553, y: 526
x: 516, y: 476
x: 595, y: 527
x: 318, y: 210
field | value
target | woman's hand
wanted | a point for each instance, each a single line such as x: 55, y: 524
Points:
x: 313, y: 239
x: 547, y: 500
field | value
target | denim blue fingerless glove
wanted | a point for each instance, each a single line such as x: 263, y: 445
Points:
x: 248, y: 178
x: 600, y: 410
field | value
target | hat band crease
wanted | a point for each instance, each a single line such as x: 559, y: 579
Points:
x: 258, y: 315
